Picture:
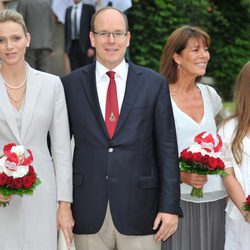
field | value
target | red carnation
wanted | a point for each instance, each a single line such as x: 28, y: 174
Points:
x: 17, y: 183
x: 205, y: 160
x: 197, y: 157
x: 221, y: 164
x: 31, y: 170
x: 28, y: 160
x: 248, y: 200
x: 9, y: 182
x: 12, y: 157
x: 28, y: 181
x: 184, y: 154
x: 3, y: 179
x: 7, y: 148
x: 212, y: 163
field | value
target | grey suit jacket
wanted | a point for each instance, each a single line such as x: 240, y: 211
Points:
x: 33, y: 218
x: 40, y: 22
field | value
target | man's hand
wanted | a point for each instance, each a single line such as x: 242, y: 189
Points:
x: 168, y: 225
x: 65, y: 221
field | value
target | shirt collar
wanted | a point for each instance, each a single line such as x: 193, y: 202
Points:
x: 121, y: 70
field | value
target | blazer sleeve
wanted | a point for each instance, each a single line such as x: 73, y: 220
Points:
x: 60, y: 146
x: 167, y: 153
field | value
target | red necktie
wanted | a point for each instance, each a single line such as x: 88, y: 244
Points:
x: 112, y: 110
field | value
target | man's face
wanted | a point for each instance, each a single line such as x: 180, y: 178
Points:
x: 110, y: 50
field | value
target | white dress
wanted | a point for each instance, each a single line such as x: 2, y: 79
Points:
x: 237, y: 230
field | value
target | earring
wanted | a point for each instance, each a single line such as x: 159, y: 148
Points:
x: 179, y: 66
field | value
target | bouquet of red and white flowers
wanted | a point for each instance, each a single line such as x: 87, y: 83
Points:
x: 202, y: 158
x: 17, y: 176
x: 246, y: 204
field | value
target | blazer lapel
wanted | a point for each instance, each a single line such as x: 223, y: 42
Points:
x: 133, y: 85
x: 33, y: 87
x: 8, y: 111
x: 88, y: 82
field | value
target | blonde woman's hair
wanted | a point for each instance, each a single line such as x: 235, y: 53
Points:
x: 14, y: 16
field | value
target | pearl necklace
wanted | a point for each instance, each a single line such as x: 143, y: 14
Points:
x: 19, y: 86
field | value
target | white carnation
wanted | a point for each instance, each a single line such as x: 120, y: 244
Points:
x: 19, y: 150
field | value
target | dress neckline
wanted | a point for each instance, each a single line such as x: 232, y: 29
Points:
x: 185, y: 114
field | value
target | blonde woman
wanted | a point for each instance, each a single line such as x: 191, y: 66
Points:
x: 32, y: 103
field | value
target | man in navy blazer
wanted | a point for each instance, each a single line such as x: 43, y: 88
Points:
x: 76, y: 42
x: 127, y: 187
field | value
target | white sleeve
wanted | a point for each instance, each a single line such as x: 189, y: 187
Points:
x: 226, y: 155
x: 216, y: 100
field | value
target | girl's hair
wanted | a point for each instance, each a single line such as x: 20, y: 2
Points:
x: 12, y: 15
x: 176, y: 43
x: 242, y: 111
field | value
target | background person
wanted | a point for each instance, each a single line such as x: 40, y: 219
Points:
x: 184, y: 60
x: 76, y: 34
x: 31, y: 104
x: 40, y: 21
x: 125, y: 170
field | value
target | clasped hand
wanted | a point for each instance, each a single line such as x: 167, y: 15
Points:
x: 194, y: 180
x: 65, y: 221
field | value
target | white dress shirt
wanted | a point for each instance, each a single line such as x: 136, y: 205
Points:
x: 102, y: 82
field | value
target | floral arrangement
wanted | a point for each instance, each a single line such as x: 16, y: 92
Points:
x: 202, y: 158
x: 246, y: 204
x: 17, y: 176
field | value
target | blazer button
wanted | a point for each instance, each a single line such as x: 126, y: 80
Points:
x: 111, y: 150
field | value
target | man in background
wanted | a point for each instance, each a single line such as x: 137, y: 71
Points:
x: 40, y: 22
x: 76, y: 34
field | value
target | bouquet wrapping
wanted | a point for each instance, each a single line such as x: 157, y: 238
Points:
x: 17, y: 175
x: 203, y: 158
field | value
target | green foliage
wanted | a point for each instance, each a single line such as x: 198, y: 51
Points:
x: 227, y: 22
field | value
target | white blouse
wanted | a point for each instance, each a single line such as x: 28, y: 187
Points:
x: 187, y: 129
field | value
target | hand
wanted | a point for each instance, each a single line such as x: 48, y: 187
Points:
x: 168, y: 225
x: 194, y: 180
x: 5, y: 199
x: 65, y: 221
x: 247, y: 216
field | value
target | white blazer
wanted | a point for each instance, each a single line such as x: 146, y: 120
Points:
x: 29, y: 222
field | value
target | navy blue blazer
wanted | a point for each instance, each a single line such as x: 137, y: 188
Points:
x: 137, y: 171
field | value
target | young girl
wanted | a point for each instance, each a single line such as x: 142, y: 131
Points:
x: 236, y: 155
